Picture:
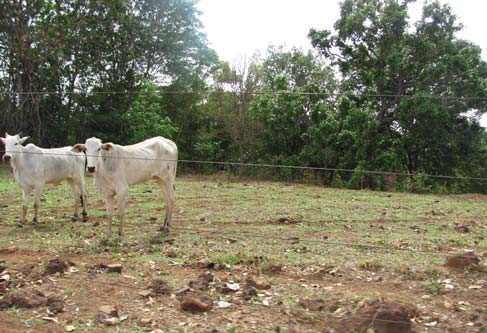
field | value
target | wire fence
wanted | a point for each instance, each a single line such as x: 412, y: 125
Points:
x: 253, y: 93
x: 286, y: 239
x: 256, y: 165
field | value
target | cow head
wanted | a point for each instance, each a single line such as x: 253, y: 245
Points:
x: 12, y: 146
x: 94, y: 149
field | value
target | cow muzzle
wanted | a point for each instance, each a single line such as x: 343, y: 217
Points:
x: 91, y: 169
x: 7, y: 158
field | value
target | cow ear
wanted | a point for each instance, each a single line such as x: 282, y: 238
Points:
x: 78, y: 148
x: 22, y: 140
x: 107, y: 146
x: 3, y: 140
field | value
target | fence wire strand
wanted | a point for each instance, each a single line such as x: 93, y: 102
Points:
x: 284, y: 240
x: 251, y: 93
x: 265, y: 165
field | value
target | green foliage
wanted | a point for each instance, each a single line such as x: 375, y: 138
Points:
x: 146, y: 117
x: 395, y: 123
x: 394, y: 106
x: 419, y: 183
x: 433, y: 287
x: 108, y: 48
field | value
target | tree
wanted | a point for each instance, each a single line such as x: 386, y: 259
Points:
x: 413, y: 81
x: 96, y: 54
x: 297, y: 100
x: 146, y: 117
x: 234, y: 89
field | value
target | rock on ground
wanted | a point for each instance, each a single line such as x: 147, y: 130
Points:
x: 382, y: 317
x: 27, y: 299
x: 257, y: 283
x: 468, y: 261
x: 56, y: 266
x: 55, y: 304
x: 196, y: 303
x: 202, y: 282
x: 313, y: 304
x: 160, y: 287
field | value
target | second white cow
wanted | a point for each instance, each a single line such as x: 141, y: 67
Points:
x: 117, y: 167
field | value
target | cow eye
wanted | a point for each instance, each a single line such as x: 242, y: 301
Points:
x: 98, y: 149
x: 16, y: 144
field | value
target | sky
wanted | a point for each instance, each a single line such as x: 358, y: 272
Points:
x: 236, y: 29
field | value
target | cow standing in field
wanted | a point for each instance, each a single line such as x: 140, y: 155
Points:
x: 33, y: 167
x: 117, y: 167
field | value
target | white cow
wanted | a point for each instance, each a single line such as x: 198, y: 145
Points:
x: 117, y: 167
x: 33, y: 167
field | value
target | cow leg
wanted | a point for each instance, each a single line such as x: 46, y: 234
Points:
x: 110, y: 200
x: 84, y: 201
x: 122, y: 201
x: 25, y: 206
x: 37, y: 204
x: 76, y: 195
x: 167, y: 187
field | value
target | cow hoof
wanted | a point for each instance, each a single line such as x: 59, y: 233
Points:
x: 104, y: 242
x: 85, y: 218
x: 164, y: 229
x: 74, y: 219
x: 120, y: 239
x: 34, y: 223
x: 20, y: 225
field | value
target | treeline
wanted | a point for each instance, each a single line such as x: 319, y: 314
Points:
x: 379, y: 92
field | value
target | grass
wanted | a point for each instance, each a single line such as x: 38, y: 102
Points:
x: 327, y: 215
x: 357, y: 234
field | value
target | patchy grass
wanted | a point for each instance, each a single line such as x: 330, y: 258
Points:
x: 344, y: 246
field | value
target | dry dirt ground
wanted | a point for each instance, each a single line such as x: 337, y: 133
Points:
x: 246, y: 257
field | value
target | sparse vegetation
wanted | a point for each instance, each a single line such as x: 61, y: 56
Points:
x: 235, y: 229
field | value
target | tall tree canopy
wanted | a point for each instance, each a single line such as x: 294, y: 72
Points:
x: 98, y: 47
x: 415, y: 80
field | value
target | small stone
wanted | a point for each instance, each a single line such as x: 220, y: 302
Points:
x: 8, y: 250
x: 5, y: 303
x: 70, y: 328
x: 108, y: 315
x: 159, y: 286
x: 202, y: 282
x: 462, y: 228
x: 114, y: 268
x: 145, y: 322
x: 258, y: 284
x: 196, y: 303
x: 313, y: 304
x: 25, y: 299
x: 145, y: 293
x: 468, y: 261
x: 171, y: 254
x: 224, y: 304
x: 230, y: 288
x: 56, y: 266
x: 249, y: 292
x: 182, y: 291
x: 108, y: 310
x: 382, y: 316
x: 55, y: 304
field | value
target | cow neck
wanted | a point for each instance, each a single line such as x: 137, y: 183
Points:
x: 16, y: 156
x: 102, y: 164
